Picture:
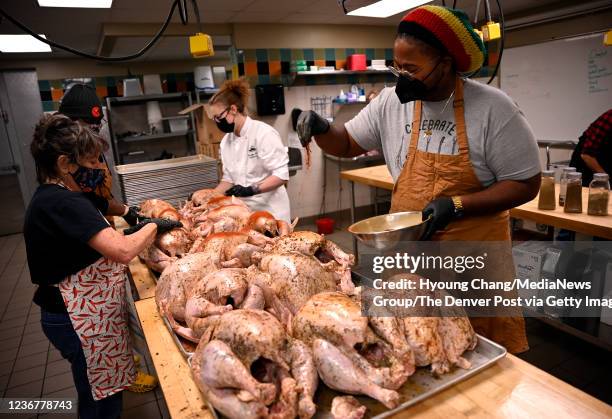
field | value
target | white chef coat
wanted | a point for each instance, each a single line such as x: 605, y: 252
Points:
x: 249, y: 158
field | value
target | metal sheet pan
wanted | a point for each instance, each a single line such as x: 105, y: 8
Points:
x: 421, y: 385
x: 185, y: 347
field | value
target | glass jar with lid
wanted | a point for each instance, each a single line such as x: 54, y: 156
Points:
x: 573, y: 193
x: 546, y: 199
x: 599, y: 191
x: 563, y: 183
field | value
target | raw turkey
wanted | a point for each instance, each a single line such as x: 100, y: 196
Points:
x: 289, y: 279
x: 349, y: 353
x: 248, y: 367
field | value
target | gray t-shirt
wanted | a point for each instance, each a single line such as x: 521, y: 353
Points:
x: 501, y: 142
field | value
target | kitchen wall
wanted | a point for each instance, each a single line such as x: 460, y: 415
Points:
x: 305, y: 188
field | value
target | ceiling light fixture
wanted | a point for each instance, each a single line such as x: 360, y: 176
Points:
x: 386, y: 8
x: 22, y: 43
x: 85, y: 4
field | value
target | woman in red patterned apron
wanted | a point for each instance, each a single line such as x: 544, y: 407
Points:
x: 79, y: 264
x: 459, y: 151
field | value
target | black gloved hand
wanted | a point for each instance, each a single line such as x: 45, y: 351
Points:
x: 163, y: 225
x: 310, y: 123
x: 133, y: 215
x: 241, y: 191
x: 442, y: 212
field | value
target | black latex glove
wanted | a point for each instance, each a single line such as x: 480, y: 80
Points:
x: 133, y: 215
x: 441, y: 211
x: 240, y: 191
x: 310, y: 123
x: 163, y: 225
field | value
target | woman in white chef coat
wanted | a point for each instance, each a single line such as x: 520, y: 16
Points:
x: 253, y: 155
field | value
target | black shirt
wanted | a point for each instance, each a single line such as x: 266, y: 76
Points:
x: 58, y: 225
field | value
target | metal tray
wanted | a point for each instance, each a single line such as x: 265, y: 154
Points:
x: 421, y: 385
x: 183, y: 345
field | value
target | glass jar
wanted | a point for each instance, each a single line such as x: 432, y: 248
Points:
x: 599, y: 191
x: 573, y: 194
x: 563, y: 183
x: 546, y: 199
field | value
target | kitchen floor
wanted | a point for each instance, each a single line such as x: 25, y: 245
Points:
x: 31, y: 367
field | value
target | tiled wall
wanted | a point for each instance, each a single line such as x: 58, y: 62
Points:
x: 260, y: 66
x: 264, y: 66
x: 51, y: 91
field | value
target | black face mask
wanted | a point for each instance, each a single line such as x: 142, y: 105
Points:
x: 411, y: 89
x: 225, y: 126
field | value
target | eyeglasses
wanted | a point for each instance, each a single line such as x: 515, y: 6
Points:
x: 398, y: 72
x: 218, y: 118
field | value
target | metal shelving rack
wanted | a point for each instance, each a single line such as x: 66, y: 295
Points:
x: 129, y: 114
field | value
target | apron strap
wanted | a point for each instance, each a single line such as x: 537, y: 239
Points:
x: 415, y: 129
x: 458, y: 107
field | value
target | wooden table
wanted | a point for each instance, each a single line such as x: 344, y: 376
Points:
x: 376, y: 176
x: 182, y: 396
x: 510, y: 388
x: 591, y: 225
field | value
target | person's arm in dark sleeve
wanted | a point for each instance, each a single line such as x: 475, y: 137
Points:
x: 597, y: 133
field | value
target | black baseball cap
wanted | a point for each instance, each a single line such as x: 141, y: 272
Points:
x: 82, y: 102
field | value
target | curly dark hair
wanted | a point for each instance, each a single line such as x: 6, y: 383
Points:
x: 57, y: 135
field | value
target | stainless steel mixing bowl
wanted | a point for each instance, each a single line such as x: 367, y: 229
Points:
x: 385, y: 232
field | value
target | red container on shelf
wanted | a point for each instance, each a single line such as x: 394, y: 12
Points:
x: 356, y: 62
x: 325, y: 225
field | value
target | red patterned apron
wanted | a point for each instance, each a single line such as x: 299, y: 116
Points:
x: 95, y: 298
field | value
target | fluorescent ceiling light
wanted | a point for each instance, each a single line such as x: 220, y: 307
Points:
x: 22, y: 43
x: 386, y: 8
x: 89, y: 4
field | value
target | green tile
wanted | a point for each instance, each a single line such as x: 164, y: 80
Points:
x: 250, y: 55
x: 47, y: 106
x: 297, y: 54
x: 262, y: 55
x: 379, y: 54
x: 319, y: 54
x: 285, y: 54
x: 57, y: 84
x: 308, y: 54
x: 274, y: 55
x: 340, y: 54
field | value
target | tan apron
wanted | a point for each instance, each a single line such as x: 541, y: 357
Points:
x: 426, y: 176
x: 95, y: 298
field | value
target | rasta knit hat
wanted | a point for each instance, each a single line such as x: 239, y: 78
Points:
x: 448, y: 30
x: 82, y: 102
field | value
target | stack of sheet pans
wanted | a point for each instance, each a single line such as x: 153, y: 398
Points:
x: 171, y: 180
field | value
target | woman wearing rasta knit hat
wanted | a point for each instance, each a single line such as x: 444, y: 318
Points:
x: 463, y: 164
